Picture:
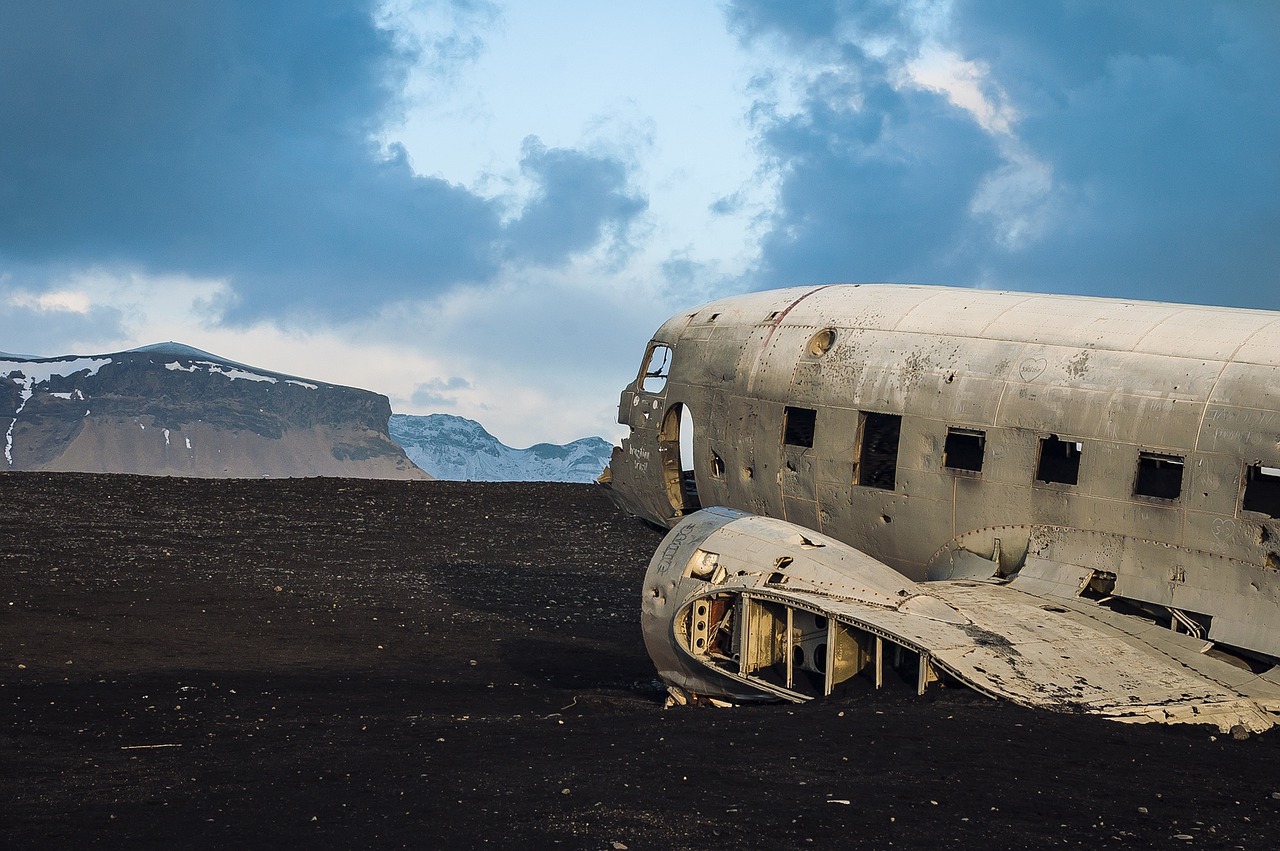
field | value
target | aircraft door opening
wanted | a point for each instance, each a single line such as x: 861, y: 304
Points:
x: 675, y: 443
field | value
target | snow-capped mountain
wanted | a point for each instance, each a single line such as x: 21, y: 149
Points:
x: 450, y: 447
x: 170, y: 409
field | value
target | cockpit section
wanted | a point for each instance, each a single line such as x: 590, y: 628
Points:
x: 651, y: 474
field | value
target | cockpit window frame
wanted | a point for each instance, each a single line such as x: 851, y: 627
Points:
x: 653, y: 378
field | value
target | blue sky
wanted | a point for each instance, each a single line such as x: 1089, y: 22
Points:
x: 486, y: 208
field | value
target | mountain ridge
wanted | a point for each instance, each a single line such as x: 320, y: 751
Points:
x: 172, y: 409
x: 455, y: 448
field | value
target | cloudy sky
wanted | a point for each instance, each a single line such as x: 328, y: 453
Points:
x: 486, y: 208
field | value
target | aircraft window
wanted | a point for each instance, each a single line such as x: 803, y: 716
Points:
x: 798, y: 426
x: 717, y: 465
x: 963, y: 449
x: 656, y: 369
x: 1159, y: 475
x: 1059, y: 461
x: 821, y: 342
x: 1262, y: 490
x: 878, y: 457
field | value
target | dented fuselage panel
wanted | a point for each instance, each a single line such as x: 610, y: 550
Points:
x: 951, y: 433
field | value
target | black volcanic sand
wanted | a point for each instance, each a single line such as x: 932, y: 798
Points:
x: 432, y: 664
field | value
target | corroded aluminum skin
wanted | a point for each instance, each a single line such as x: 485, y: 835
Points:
x: 1119, y: 377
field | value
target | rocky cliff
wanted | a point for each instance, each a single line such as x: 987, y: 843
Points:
x: 169, y: 409
x: 456, y: 448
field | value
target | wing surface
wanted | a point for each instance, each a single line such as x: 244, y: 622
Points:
x: 1030, y: 640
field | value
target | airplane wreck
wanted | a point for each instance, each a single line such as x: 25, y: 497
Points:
x: 1071, y: 503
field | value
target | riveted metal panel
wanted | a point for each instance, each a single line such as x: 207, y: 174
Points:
x: 803, y: 512
x: 1206, y: 333
x: 1247, y: 385
x: 1100, y: 414
x: 862, y: 306
x: 1262, y: 347
x: 1130, y: 373
x: 958, y: 313
x: 1080, y: 322
x: 1211, y: 484
x: 1249, y: 434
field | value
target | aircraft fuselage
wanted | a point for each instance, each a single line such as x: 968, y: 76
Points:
x: 947, y: 431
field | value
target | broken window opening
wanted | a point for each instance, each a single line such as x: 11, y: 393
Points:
x: 657, y: 368
x: 1059, y: 461
x: 704, y: 565
x: 964, y: 449
x: 1159, y: 475
x: 878, y: 456
x: 798, y: 425
x: 1262, y: 490
x: 717, y: 465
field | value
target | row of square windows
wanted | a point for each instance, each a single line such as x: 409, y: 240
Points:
x: 1158, y: 476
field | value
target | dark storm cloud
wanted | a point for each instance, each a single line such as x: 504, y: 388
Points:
x: 1163, y: 125
x: 232, y: 138
x: 878, y: 192
x: 579, y: 196
x: 1157, y: 125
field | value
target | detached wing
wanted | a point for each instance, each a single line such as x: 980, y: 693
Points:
x: 1029, y: 640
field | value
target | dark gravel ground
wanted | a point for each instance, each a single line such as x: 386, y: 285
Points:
x: 343, y: 663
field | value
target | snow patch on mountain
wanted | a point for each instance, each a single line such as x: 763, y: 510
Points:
x: 458, y: 449
x: 29, y: 375
x: 231, y: 372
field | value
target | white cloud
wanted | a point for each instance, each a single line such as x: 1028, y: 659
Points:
x: 66, y: 301
x: 966, y: 84
x: 540, y: 356
x: 1018, y: 197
